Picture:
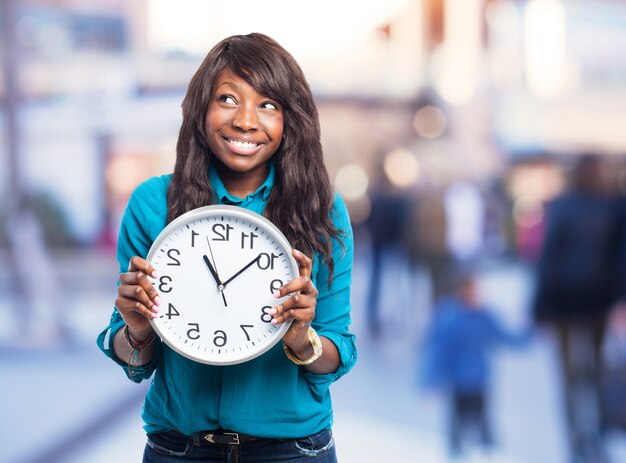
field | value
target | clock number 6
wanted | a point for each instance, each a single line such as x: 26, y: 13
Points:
x: 220, y: 339
x: 163, y: 286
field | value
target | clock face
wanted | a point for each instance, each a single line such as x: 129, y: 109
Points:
x: 217, y: 269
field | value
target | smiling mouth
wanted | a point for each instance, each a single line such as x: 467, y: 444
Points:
x: 244, y: 145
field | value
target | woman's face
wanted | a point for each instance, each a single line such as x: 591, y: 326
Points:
x: 243, y: 129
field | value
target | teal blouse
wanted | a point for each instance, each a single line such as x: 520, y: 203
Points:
x: 268, y: 396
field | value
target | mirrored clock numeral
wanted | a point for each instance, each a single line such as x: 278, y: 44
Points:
x: 222, y: 231
x: 274, y: 285
x: 248, y: 237
x: 220, y: 338
x: 265, y: 317
x: 194, y: 331
x: 173, y: 260
x: 193, y: 238
x: 243, y: 327
x: 171, y: 311
x: 164, y: 281
x: 266, y: 261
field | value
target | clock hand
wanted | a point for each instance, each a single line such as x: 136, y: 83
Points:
x: 212, y: 270
x: 220, y: 286
x: 249, y: 264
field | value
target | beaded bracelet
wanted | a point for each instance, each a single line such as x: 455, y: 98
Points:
x: 137, y: 347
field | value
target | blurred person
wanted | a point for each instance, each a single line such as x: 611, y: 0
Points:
x: 386, y: 223
x: 575, y: 289
x: 465, y: 216
x: 425, y: 235
x: 250, y: 137
x: 39, y: 312
x: 614, y: 370
x: 457, y: 350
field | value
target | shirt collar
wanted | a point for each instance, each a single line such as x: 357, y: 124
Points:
x: 223, y: 196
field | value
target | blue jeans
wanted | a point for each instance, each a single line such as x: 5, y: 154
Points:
x: 174, y: 447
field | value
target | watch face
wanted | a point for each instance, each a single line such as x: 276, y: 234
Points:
x: 217, y: 268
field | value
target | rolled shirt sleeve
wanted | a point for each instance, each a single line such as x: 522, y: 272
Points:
x: 332, y: 313
x: 137, y: 232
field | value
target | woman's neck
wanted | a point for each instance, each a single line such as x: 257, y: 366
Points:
x: 241, y: 184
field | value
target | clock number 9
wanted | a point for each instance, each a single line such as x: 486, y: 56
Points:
x: 274, y: 285
x: 220, y: 339
x: 164, y: 281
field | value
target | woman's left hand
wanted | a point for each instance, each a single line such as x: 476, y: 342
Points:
x: 300, y: 307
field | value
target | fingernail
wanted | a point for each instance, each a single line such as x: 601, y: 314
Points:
x: 296, y: 251
x: 157, y: 300
x: 274, y: 321
x: 154, y: 274
x: 153, y: 315
x: 276, y: 294
x: 272, y: 311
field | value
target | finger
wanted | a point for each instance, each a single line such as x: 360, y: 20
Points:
x: 305, y: 264
x: 301, y: 284
x: 139, y: 264
x: 302, y: 315
x: 298, y: 307
x: 130, y: 299
x: 140, y: 279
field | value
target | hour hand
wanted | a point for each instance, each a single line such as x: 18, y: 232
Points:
x: 212, y: 270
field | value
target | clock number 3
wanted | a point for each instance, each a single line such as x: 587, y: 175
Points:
x: 164, y: 281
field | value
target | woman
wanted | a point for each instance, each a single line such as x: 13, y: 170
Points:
x: 250, y: 137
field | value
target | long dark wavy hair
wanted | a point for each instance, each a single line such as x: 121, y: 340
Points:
x: 302, y: 195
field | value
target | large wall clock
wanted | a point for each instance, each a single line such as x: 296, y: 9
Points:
x: 217, y: 269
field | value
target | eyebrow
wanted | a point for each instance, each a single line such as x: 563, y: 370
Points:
x: 230, y: 84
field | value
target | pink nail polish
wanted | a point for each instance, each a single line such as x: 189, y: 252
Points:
x: 154, y: 274
x: 272, y: 311
x: 157, y: 301
x: 276, y: 294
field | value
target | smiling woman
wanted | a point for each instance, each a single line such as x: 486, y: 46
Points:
x: 243, y: 129
x: 249, y: 140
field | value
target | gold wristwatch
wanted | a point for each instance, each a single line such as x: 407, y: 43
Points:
x: 315, y: 341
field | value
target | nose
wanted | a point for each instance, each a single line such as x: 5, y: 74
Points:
x: 246, y: 118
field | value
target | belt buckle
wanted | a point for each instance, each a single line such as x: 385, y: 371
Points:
x: 235, y: 437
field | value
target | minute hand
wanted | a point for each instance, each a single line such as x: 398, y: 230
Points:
x: 244, y: 268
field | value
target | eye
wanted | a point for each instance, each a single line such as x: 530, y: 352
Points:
x: 269, y: 105
x: 226, y: 99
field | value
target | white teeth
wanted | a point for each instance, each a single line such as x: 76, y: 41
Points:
x: 242, y: 144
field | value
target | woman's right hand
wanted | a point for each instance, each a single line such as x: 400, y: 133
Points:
x: 137, y: 300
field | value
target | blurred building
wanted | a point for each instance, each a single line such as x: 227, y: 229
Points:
x: 444, y: 90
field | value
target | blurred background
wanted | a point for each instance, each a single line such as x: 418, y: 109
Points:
x: 448, y: 126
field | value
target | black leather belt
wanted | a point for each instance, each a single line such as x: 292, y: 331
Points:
x: 225, y: 437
